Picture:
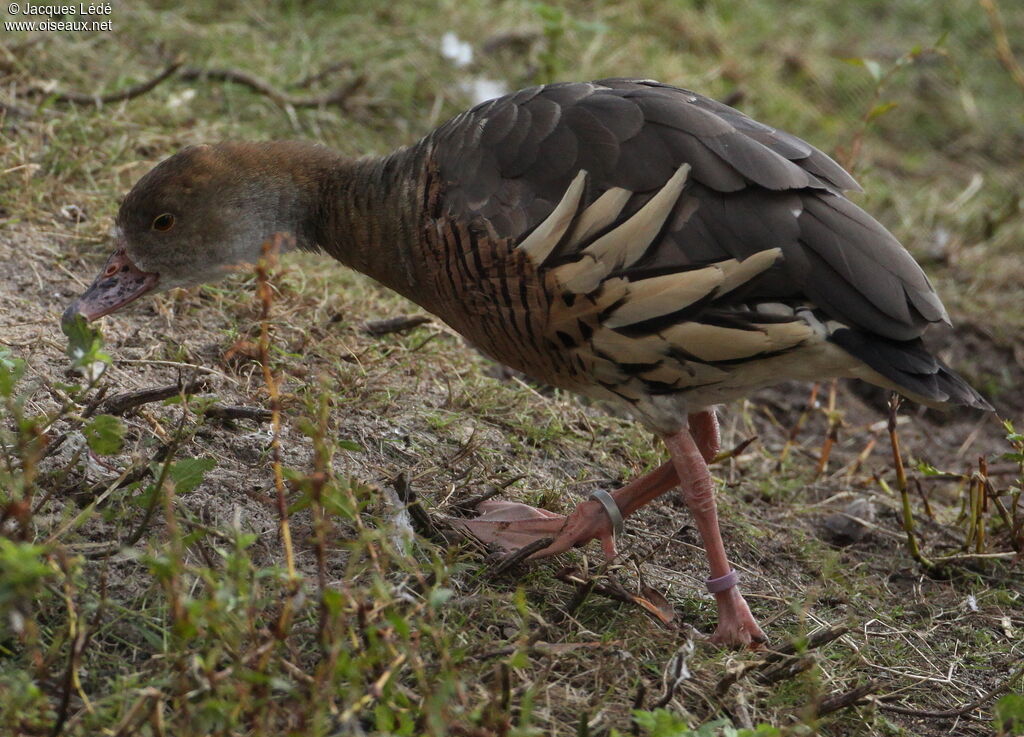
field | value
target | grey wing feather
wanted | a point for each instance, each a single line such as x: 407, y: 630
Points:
x: 751, y: 188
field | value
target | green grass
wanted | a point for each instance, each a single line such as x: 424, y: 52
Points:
x: 172, y: 605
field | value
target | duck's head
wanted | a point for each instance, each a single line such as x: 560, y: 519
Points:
x: 202, y: 214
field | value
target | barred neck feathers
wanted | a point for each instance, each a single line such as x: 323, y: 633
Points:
x: 370, y: 214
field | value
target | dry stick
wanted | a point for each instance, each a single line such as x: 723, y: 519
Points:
x: 815, y: 640
x: 265, y: 293
x: 638, y: 703
x: 394, y: 324
x: 850, y: 698
x: 901, y: 485
x: 472, y: 502
x: 338, y: 97
x: 127, y: 93
x: 613, y: 590
x: 1004, y: 52
x: 94, y: 405
x: 854, y: 466
x: 924, y: 498
x: 234, y: 412
x: 960, y: 711
x: 785, y: 670
x: 139, y: 712
x: 519, y: 556
x: 121, y: 403
x: 973, y: 511
x: 309, y: 79
x: 734, y: 452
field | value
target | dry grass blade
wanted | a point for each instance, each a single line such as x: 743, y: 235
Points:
x: 960, y: 711
x: 1004, y: 51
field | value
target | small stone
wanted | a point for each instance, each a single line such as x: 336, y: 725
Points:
x: 846, y: 528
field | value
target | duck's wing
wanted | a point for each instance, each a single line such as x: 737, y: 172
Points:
x: 673, y: 226
x: 749, y: 189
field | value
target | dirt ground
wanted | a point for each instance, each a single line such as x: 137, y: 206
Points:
x: 805, y: 565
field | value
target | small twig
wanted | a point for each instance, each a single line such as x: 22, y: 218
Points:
x: 734, y: 452
x: 535, y: 647
x: 80, y: 633
x: 338, y: 97
x: 785, y: 670
x: 582, y: 592
x: 613, y: 590
x: 128, y: 93
x: 9, y: 108
x: 850, y: 698
x: 638, y: 703
x: 510, y: 561
x: 139, y: 712
x: 394, y: 324
x: 90, y: 409
x: 924, y: 498
x: 235, y: 412
x: 130, y: 476
x: 121, y: 403
x: 310, y: 79
x: 814, y: 641
x: 472, y: 502
x: 962, y: 710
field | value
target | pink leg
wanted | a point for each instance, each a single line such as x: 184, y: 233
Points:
x: 704, y: 428
x: 511, y: 525
x: 736, y: 625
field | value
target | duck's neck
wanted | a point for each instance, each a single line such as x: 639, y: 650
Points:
x: 369, y: 213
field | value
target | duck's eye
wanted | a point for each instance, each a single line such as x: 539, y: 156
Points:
x: 163, y: 222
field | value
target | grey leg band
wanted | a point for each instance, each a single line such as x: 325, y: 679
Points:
x: 723, y: 583
x: 611, y: 509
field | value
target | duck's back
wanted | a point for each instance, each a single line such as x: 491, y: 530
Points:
x: 630, y: 238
